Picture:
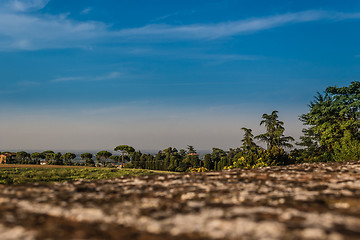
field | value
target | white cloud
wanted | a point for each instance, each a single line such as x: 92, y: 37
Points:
x: 112, y: 75
x: 232, y: 28
x: 86, y: 10
x: 109, y: 76
x: 26, y: 5
x: 186, y: 54
x: 67, y: 79
x: 21, y: 30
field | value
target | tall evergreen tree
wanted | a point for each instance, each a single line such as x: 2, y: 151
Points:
x: 274, y: 136
x: 333, y: 124
x: 248, y: 143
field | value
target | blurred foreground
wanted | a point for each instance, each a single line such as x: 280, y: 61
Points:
x: 306, y: 201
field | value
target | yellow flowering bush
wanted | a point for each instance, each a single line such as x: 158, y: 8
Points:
x: 200, y: 169
x: 247, y: 163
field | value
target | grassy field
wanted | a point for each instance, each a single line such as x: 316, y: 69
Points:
x: 19, y: 174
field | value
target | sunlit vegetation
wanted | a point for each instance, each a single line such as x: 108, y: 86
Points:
x: 333, y: 124
x: 16, y: 175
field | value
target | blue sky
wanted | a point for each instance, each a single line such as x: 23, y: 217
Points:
x: 92, y: 74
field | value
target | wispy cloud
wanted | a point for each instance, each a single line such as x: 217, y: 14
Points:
x: 86, y: 10
x: 25, y: 5
x: 68, y: 79
x: 227, y: 29
x: 226, y: 57
x: 192, y: 54
x: 20, y: 29
x: 174, y: 14
x: 112, y: 75
x: 109, y: 76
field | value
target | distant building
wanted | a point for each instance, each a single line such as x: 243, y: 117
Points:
x: 6, y: 157
x: 193, y: 154
x: 43, y: 162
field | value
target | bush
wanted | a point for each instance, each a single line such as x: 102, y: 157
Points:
x: 200, y: 169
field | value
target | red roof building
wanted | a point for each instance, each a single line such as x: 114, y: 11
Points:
x: 6, y: 157
x: 193, y: 154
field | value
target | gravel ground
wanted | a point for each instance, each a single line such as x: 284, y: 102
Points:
x: 306, y: 201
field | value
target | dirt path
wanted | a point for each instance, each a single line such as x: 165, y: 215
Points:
x: 307, y: 201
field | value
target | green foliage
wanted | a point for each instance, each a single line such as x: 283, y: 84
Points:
x: 68, y: 157
x: 54, y: 158
x: 208, y: 162
x: 347, y: 148
x: 242, y: 162
x: 21, y: 156
x: 333, y: 125
x: 103, y: 156
x: 248, y: 143
x: 250, y: 155
x: 125, y: 150
x: 115, y: 158
x: 85, y: 156
x: 37, y: 156
x: 274, y: 136
x: 191, y: 149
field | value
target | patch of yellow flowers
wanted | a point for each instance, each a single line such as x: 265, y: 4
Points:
x: 200, y: 169
x: 243, y: 163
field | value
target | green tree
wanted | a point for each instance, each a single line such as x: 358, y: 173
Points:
x: 191, y: 149
x: 124, y: 150
x: 208, y: 163
x: 333, y: 124
x: 136, y: 159
x: 193, y: 158
x: 175, y: 159
x: 170, y: 159
x: 47, y: 152
x: 248, y: 143
x: 36, y: 156
x: 87, y: 158
x: 68, y: 157
x: 22, y: 156
x: 274, y: 136
x: 182, y: 153
x: 115, y: 158
x: 103, y: 156
x: 217, y: 154
x: 54, y: 158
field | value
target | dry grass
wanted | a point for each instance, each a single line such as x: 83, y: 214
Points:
x: 21, y: 173
x: 38, y: 166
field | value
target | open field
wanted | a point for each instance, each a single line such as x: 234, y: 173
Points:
x: 20, y: 174
x: 38, y: 166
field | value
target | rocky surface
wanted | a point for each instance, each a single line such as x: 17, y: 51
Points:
x: 307, y: 201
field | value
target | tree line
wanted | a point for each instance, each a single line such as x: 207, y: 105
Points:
x: 331, y: 133
x: 51, y: 158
